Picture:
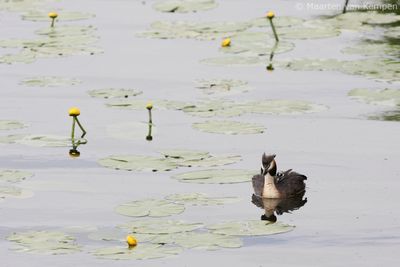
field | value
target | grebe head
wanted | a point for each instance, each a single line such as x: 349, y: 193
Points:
x: 268, y: 164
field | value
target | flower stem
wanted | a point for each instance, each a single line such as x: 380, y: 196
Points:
x: 150, y: 117
x: 274, y: 30
x: 80, y: 126
x: 345, y: 6
x: 73, y: 129
x: 52, y: 22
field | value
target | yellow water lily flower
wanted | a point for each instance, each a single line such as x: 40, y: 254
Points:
x: 131, y: 240
x: 149, y: 105
x: 74, y: 111
x: 53, y: 15
x: 270, y: 15
x: 226, y: 42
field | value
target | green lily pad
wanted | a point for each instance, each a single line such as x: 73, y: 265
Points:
x: 250, y: 228
x: 10, y: 139
x: 393, y: 115
x: 199, y: 240
x: 373, y: 49
x: 236, y: 60
x: 307, y: 32
x: 44, y: 242
x: 215, y: 176
x: 11, y: 125
x: 393, y: 33
x: 388, y: 97
x: 228, y: 127
x: 184, y: 6
x: 131, y: 130
x: 21, y: 5
x: 25, y: 56
x: 279, y: 22
x: 114, y: 93
x: 183, y: 154
x: 213, y: 161
x: 115, y: 234
x: 139, y: 252
x: 222, y: 86
x: 256, y: 44
x: 34, y: 15
x: 194, y: 30
x: 44, y: 140
x: 160, y: 226
x: 140, y: 104
x: 14, y: 176
x: 50, y: 81
x: 150, y: 207
x: 138, y: 163
x: 199, y: 199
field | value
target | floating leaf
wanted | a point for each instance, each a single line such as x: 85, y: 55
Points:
x: 45, y: 140
x: 212, y: 161
x: 393, y: 33
x: 11, y: 125
x: 14, y: 176
x: 182, y: 154
x: 308, y: 32
x: 279, y: 22
x: 222, y: 86
x: 139, y: 252
x: 114, y: 234
x: 250, y: 228
x: 131, y: 130
x: 215, y: 176
x: 194, y: 30
x: 13, y: 191
x: 50, y: 81
x: 393, y: 115
x: 198, y: 199
x: 137, y: 163
x: 389, y: 97
x: 34, y: 15
x: 140, y: 104
x: 44, y: 242
x: 199, y: 240
x: 114, y: 93
x: 160, y: 226
x: 228, y: 127
x: 11, y: 139
x: 373, y: 49
x: 184, y: 6
x: 149, y: 207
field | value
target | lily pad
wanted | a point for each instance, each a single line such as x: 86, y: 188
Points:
x: 139, y: 252
x: 228, y: 176
x: 160, y: 226
x: 184, y: 6
x: 140, y: 104
x: 114, y: 93
x: 194, y: 30
x: 45, y: 242
x: 199, y: 199
x: 150, y: 207
x: 138, y: 163
x: 373, y: 49
x: 388, y: 97
x: 11, y: 125
x: 222, y: 86
x: 393, y: 33
x: 131, y: 130
x: 393, y: 115
x: 45, y: 140
x: 13, y: 191
x: 115, y: 234
x: 250, y: 228
x: 34, y: 15
x: 213, y: 161
x: 10, y: 139
x: 50, y: 81
x: 14, y: 176
x: 200, y: 240
x: 183, y: 154
x: 229, y: 127
x: 279, y: 22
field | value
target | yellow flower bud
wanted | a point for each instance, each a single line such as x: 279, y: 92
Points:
x: 131, y: 240
x: 74, y: 111
x: 53, y: 15
x: 149, y: 105
x: 270, y: 15
x: 226, y: 42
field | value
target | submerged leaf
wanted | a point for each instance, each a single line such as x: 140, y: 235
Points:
x: 114, y: 93
x: 198, y: 199
x: 11, y: 125
x: 184, y: 6
x: 250, y: 228
x: 45, y: 242
x: 149, y: 207
x: 228, y: 127
x: 215, y: 176
x: 14, y: 176
x: 50, y: 81
x: 139, y: 252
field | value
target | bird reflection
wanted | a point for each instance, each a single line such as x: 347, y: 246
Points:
x: 74, y: 152
x: 278, y: 206
x: 149, y: 136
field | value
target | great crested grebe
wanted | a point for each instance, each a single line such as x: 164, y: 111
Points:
x: 271, y: 184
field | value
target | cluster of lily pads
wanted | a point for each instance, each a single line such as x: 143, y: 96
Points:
x: 8, y: 184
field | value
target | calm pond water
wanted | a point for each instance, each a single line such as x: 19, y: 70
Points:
x: 351, y: 216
